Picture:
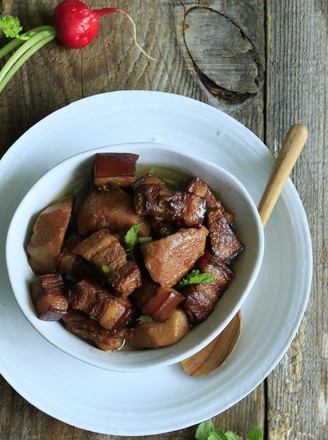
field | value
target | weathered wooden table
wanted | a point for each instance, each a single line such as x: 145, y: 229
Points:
x: 264, y: 63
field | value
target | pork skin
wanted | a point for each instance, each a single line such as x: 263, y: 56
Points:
x: 114, y: 169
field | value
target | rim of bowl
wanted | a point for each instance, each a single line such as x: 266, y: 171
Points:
x: 163, y: 356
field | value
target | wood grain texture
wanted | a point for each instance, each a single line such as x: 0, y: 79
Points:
x: 223, y: 56
x: 289, y: 40
x: 297, y: 57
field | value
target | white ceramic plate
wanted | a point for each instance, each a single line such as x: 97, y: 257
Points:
x: 162, y: 399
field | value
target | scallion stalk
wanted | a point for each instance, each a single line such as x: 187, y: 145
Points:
x: 29, y: 43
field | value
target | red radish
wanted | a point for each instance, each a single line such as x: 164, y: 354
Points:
x: 77, y: 25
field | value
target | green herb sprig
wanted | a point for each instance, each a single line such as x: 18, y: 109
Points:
x: 196, y: 277
x: 27, y: 44
x: 206, y: 431
x: 131, y: 238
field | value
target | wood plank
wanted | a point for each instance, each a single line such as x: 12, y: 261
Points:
x: 297, y: 92
x: 57, y: 76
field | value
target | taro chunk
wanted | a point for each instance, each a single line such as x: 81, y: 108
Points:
x: 115, y: 169
x: 161, y: 334
x: 48, y: 234
x: 169, y: 259
x: 47, y: 293
x: 109, y: 209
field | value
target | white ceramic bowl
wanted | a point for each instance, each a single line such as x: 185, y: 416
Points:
x: 59, y: 180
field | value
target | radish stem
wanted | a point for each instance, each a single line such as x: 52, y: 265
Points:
x: 21, y: 38
x: 27, y: 49
x: 10, y: 46
x: 24, y: 58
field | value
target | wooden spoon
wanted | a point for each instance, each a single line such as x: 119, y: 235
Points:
x: 211, y: 357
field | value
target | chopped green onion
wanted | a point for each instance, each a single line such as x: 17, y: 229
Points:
x: 105, y: 269
x: 143, y: 319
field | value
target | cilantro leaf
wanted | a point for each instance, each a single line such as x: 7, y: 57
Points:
x: 131, y: 236
x: 232, y: 436
x: 130, y: 240
x: 254, y: 434
x: 217, y: 434
x: 204, y: 429
x: 195, y: 277
x: 11, y: 26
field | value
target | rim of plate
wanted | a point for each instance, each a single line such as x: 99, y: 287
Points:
x: 206, y: 405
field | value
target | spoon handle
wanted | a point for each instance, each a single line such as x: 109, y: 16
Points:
x: 287, y: 157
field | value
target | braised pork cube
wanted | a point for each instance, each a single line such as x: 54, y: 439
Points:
x: 48, y: 234
x: 114, y: 169
x: 103, y: 250
x: 112, y: 209
x: 84, y: 327
x: 161, y: 228
x: 186, y: 209
x: 169, y: 259
x: 153, y: 198
x: 223, y: 241
x: 48, y: 296
x: 98, y: 303
x: 83, y: 295
x: 200, y: 188
x: 197, y: 305
x: 161, y: 334
x: 112, y: 313
x: 71, y: 265
x: 156, y: 301
x: 223, y: 275
x: 201, y: 298
x: 147, y: 192
x: 125, y: 279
